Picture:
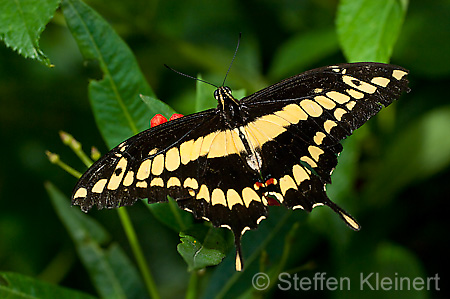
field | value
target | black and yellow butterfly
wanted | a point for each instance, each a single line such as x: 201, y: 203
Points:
x: 226, y: 164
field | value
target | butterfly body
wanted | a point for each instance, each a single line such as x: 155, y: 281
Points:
x: 226, y: 165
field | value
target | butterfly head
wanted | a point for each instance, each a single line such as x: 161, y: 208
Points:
x: 224, y: 96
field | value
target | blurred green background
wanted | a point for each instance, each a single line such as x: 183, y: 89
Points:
x: 402, y: 181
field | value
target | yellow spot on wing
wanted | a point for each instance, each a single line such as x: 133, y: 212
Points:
x: 292, y: 117
x: 249, y: 195
x: 328, y: 125
x: 218, y: 197
x: 115, y: 179
x: 398, y: 74
x: 81, y: 192
x: 325, y: 102
x: 312, y: 108
x: 318, y: 138
x: 350, y: 105
x: 279, y: 121
x: 144, y: 170
x: 157, y: 182
x: 338, y: 97
x: 296, y: 112
x: 237, y: 141
x: 129, y: 178
x: 338, y: 113
x: 238, y: 263
x: 256, y: 138
x: 309, y: 161
x: 363, y: 86
x: 300, y: 174
x: 172, y: 159
x: 315, y: 152
x: 158, y: 164
x: 229, y: 143
x: 173, y: 182
x: 381, y: 81
x: 203, y: 193
x: 207, y: 141
x: 195, y: 152
x: 99, y: 186
x: 287, y: 183
x: 268, y: 130
x: 190, y: 183
x: 185, y: 151
x: 218, y: 146
x: 355, y: 94
x: 141, y: 184
x: 233, y: 198
x: 351, y: 222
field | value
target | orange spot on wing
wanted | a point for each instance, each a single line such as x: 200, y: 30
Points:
x: 160, y: 119
x: 157, y: 120
x: 272, y: 201
x: 175, y: 116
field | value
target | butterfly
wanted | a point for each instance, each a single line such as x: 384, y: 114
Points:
x: 227, y: 165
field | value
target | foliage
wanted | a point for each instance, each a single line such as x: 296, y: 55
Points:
x: 389, y: 173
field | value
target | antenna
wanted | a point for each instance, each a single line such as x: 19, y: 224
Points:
x: 183, y: 74
x: 224, y: 79
x: 232, y: 60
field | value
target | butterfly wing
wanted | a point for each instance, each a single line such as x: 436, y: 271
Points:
x: 298, y: 123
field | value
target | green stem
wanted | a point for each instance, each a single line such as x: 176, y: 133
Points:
x: 137, y: 251
x: 54, y: 159
x: 176, y: 213
x: 192, y: 287
x: 83, y: 157
x: 68, y: 140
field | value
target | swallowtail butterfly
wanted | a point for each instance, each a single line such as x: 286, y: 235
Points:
x: 227, y: 164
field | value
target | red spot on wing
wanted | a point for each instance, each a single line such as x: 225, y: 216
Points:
x: 175, y: 116
x: 157, y: 120
x: 272, y: 201
x: 270, y: 182
x: 160, y: 119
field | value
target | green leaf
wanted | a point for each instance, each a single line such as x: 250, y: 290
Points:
x: 302, y: 51
x: 115, y: 99
x: 239, y: 93
x: 202, y: 246
x: 18, y: 286
x: 384, y: 262
x: 21, y: 25
x: 226, y: 282
x: 368, y: 29
x: 421, y: 150
x: 342, y: 192
x: 171, y: 215
x: 204, y: 96
x: 106, y: 268
x: 126, y: 272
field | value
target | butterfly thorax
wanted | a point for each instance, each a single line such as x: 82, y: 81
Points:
x: 228, y: 106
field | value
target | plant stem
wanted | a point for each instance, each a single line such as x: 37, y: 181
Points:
x: 191, y: 292
x: 137, y: 251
